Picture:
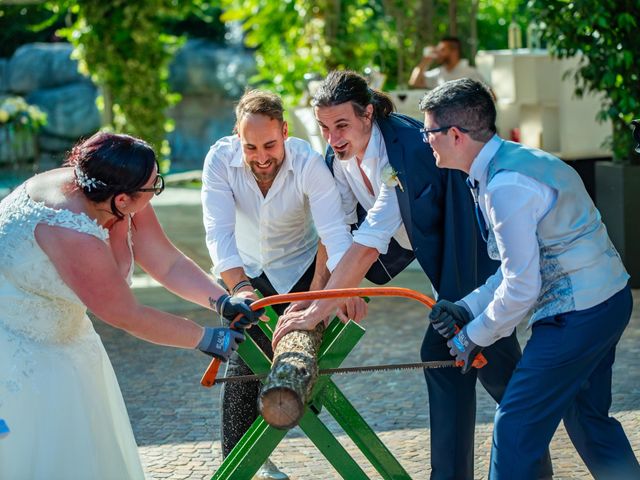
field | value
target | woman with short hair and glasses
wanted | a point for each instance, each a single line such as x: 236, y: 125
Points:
x: 68, y: 242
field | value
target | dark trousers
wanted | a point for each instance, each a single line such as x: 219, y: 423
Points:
x: 565, y: 374
x: 240, y: 400
x: 452, y: 404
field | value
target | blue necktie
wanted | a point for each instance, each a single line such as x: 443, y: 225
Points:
x: 484, y: 231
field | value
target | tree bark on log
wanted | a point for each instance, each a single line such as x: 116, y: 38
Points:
x: 292, y: 377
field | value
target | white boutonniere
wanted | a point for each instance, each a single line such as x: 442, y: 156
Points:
x: 390, y: 177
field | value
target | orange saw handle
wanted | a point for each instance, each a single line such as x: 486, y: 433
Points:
x: 478, y: 362
x: 209, y: 377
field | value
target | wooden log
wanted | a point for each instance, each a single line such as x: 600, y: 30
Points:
x: 292, y: 377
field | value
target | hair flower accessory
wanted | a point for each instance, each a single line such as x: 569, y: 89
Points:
x: 87, y: 182
x: 390, y: 177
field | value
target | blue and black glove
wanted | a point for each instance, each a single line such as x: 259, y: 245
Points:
x: 220, y: 342
x: 445, y: 315
x: 230, y: 307
x: 461, y: 347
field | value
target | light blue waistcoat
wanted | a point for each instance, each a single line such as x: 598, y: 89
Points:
x: 579, y: 265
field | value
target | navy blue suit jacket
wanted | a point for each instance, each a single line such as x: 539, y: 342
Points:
x: 437, y: 211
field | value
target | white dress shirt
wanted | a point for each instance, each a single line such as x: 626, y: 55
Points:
x: 439, y: 75
x: 513, y: 204
x: 273, y: 234
x: 383, y: 212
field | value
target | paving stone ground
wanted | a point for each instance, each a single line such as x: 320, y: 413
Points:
x: 176, y: 421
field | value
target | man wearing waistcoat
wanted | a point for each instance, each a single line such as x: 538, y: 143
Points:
x: 382, y: 165
x: 558, y: 263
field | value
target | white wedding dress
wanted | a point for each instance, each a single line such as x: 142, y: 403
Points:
x: 58, y: 391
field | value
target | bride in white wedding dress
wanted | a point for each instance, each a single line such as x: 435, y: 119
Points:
x: 68, y: 241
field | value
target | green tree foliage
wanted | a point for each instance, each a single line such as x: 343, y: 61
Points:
x: 125, y: 46
x: 199, y: 19
x: 121, y: 45
x: 493, y: 21
x: 305, y: 36
x: 605, y: 34
x: 287, y: 37
x: 18, y: 26
x: 295, y: 37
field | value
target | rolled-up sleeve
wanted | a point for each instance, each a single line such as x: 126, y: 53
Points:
x: 219, y: 216
x: 326, y: 209
x: 382, y: 222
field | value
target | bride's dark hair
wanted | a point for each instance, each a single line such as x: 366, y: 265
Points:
x: 107, y: 164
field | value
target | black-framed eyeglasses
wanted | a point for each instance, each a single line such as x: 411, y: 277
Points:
x: 426, y: 131
x: 158, y: 186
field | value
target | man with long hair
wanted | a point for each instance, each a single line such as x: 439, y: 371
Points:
x: 382, y: 164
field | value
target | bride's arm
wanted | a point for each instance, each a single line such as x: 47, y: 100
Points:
x: 160, y: 258
x: 86, y: 265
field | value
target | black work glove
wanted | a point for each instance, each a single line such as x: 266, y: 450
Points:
x: 463, y: 349
x: 445, y: 315
x: 220, y: 342
x: 230, y: 307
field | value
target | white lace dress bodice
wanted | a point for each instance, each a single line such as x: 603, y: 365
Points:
x: 58, y: 392
x: 36, y: 302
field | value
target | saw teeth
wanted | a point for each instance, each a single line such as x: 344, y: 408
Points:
x: 350, y: 370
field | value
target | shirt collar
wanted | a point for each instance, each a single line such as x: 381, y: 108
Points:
x: 462, y: 63
x: 287, y: 164
x: 481, y: 162
x: 372, y: 152
x: 237, y: 160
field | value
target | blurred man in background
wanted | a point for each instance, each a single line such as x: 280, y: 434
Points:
x: 447, y: 55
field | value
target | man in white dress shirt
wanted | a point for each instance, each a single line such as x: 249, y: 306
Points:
x: 451, y: 66
x: 558, y: 264
x: 268, y: 200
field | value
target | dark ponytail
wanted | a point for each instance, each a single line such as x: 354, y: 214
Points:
x: 342, y: 86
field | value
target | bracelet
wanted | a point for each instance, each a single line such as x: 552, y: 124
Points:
x: 239, y: 285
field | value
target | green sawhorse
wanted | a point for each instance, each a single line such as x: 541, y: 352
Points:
x: 261, y: 439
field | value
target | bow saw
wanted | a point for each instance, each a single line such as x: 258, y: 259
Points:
x: 209, y: 378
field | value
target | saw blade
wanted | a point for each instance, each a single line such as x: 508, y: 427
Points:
x: 348, y: 370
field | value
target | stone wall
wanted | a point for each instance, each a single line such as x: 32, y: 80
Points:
x: 46, y: 76
x: 210, y: 78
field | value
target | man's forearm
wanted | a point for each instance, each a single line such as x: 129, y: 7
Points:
x: 353, y: 266
x: 187, y: 280
x: 233, y: 276
x: 321, y: 273
x: 417, y: 80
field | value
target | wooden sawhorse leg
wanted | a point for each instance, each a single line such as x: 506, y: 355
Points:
x: 261, y: 439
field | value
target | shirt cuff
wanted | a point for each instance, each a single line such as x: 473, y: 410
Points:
x: 474, y: 303
x: 227, y: 264
x: 480, y: 334
x: 371, y: 241
x: 463, y: 304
